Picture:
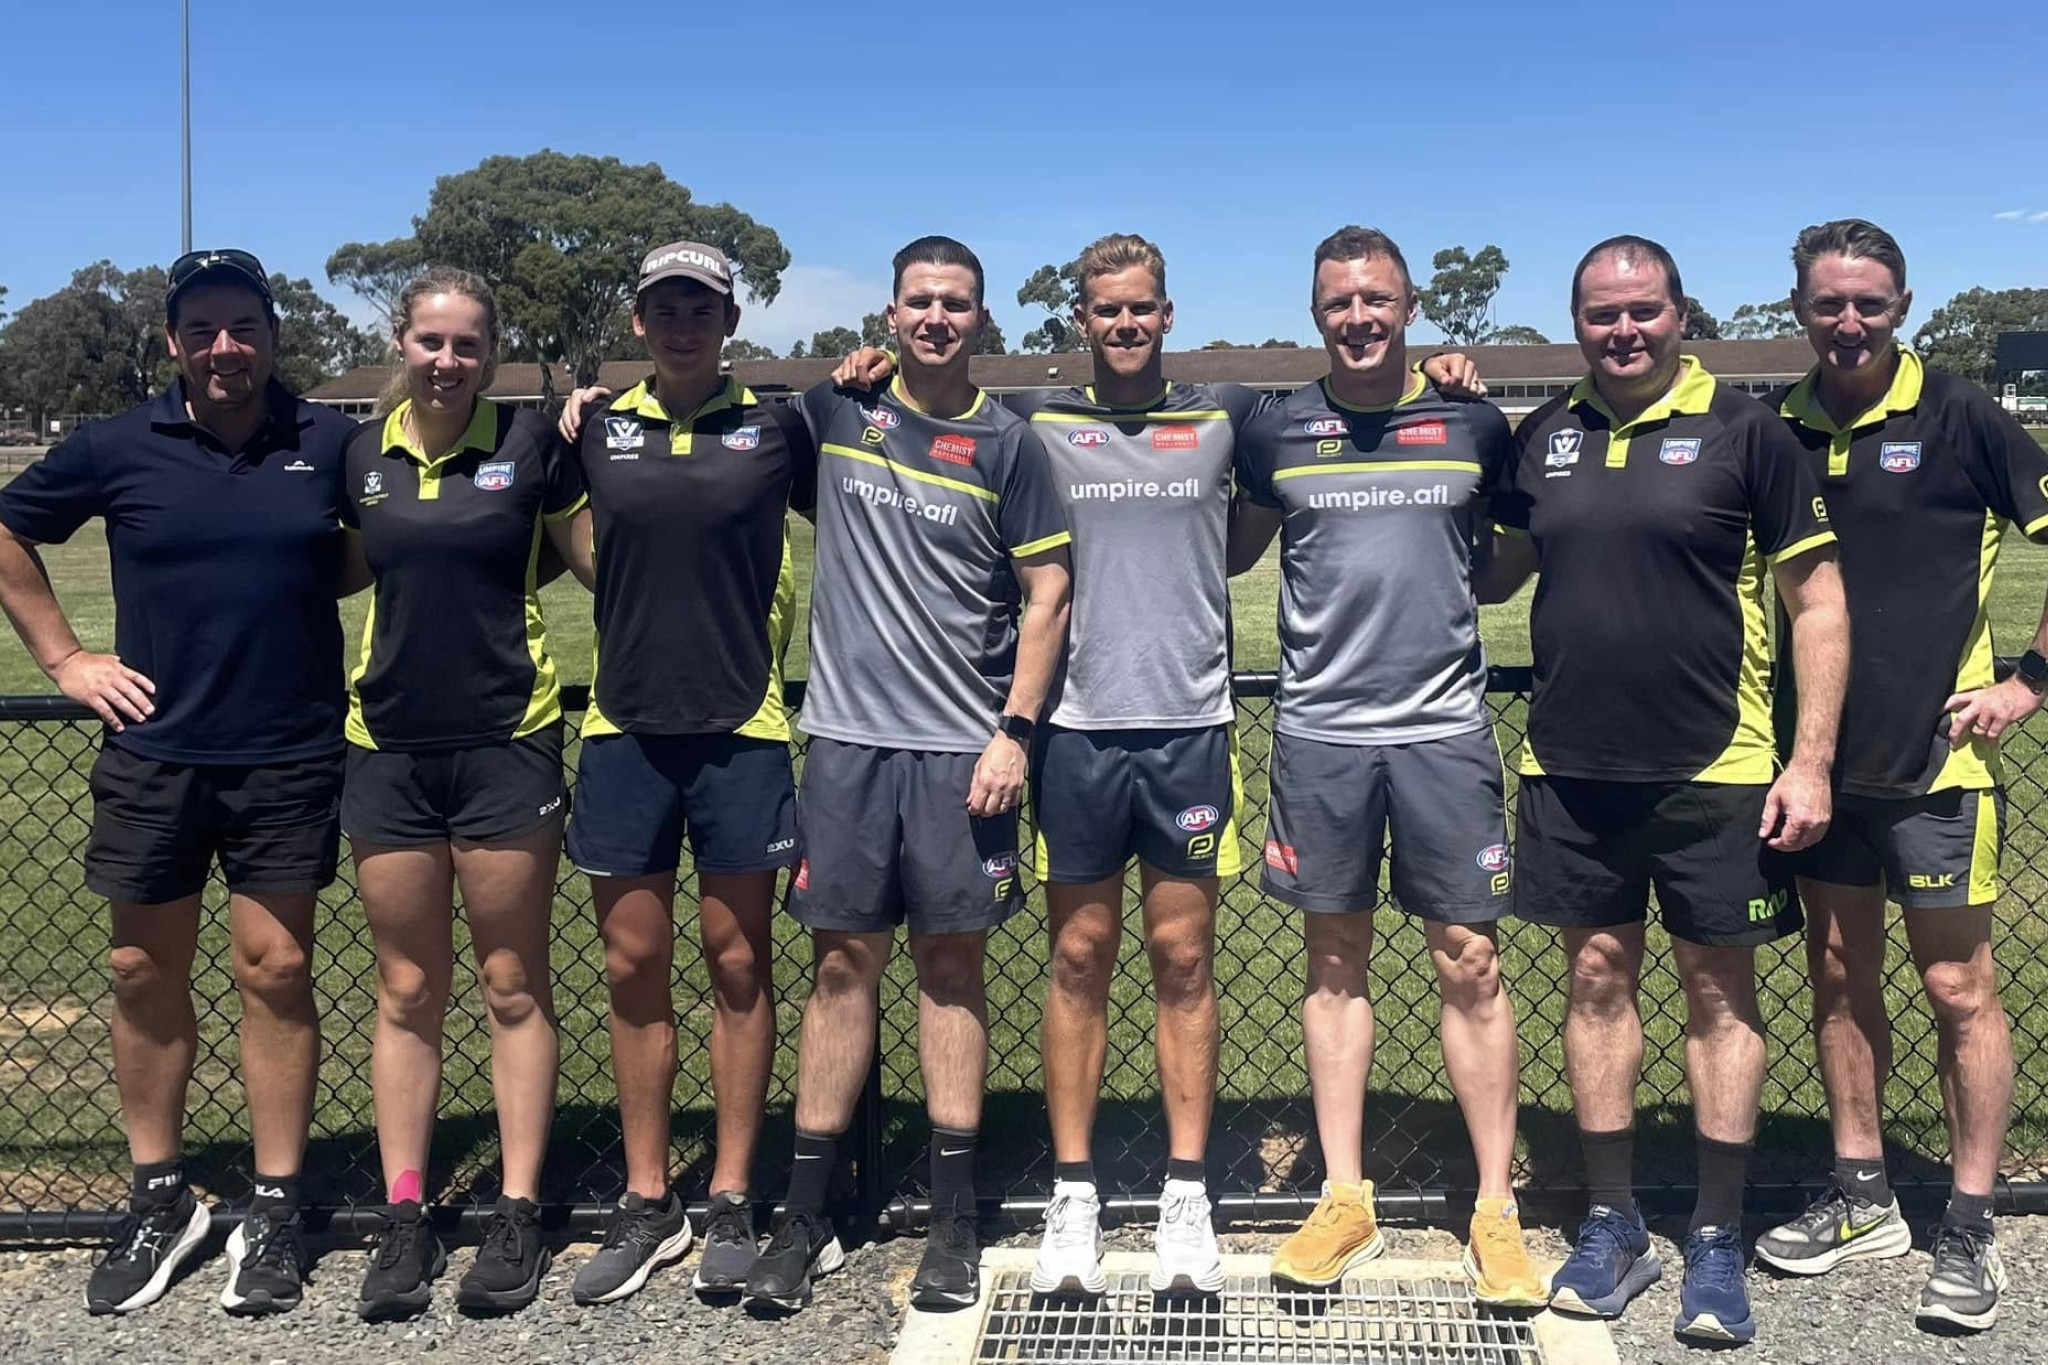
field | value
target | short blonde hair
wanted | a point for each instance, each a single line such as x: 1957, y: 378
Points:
x: 1119, y: 251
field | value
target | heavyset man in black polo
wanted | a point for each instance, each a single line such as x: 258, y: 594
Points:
x: 1659, y: 505
x: 1922, y: 472
x: 223, y: 707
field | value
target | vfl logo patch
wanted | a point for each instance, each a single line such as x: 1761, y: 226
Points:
x: 1326, y: 426
x: 1677, y: 451
x: 953, y: 449
x: 623, y: 433
x: 373, y: 483
x: 1422, y: 434
x: 1899, y: 457
x: 1493, y: 858
x: 1198, y: 817
x: 882, y: 417
x: 1175, y: 438
x: 1564, y: 448
x: 1087, y: 438
x: 741, y: 438
x: 1280, y: 857
x: 495, y: 475
x: 1000, y: 866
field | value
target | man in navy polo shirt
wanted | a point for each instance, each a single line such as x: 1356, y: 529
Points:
x: 223, y: 707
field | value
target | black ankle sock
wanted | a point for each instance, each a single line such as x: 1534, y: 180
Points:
x: 952, y: 1166
x: 1863, y: 1178
x: 1968, y: 1211
x: 157, y: 1183
x: 1074, y: 1172
x: 275, y: 1192
x: 811, y: 1174
x: 1724, y: 1173
x: 1610, y: 1168
x: 1197, y: 1171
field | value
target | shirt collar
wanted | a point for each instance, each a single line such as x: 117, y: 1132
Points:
x: 642, y: 401
x: 168, y: 409
x: 1693, y: 393
x: 1418, y: 384
x: 481, y: 434
x: 1803, y: 406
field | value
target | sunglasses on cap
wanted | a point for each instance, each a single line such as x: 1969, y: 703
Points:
x: 193, y: 264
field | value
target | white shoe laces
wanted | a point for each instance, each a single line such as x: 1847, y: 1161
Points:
x: 1184, y: 1220
x: 1070, y: 1223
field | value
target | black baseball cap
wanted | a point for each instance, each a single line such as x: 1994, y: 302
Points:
x: 225, y: 265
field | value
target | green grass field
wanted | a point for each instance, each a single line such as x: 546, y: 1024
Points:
x: 60, y: 1142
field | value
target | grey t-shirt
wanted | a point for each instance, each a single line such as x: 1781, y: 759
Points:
x: 1379, y: 632
x: 1147, y: 494
x: 914, y: 603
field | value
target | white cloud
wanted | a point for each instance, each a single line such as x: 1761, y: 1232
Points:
x: 2041, y: 217
x: 2009, y: 216
x: 813, y: 298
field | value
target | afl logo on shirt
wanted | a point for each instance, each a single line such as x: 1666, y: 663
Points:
x: 881, y: 417
x: 1326, y: 426
x: 741, y: 438
x: 1675, y: 451
x: 1198, y: 817
x: 1899, y: 457
x: 623, y: 433
x: 495, y: 475
x: 1564, y: 448
x: 1087, y: 438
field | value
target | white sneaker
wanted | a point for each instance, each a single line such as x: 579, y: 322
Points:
x: 1184, y: 1247
x: 1070, y: 1253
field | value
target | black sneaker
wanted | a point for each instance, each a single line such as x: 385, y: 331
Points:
x: 266, y: 1262
x: 1965, y: 1280
x: 949, y: 1276
x: 403, y: 1263
x: 149, y: 1245
x: 729, y: 1246
x: 640, y: 1238
x: 800, y: 1245
x: 506, y: 1273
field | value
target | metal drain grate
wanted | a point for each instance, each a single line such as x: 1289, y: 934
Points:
x: 1380, y: 1322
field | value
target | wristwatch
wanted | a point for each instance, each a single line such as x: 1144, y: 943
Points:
x: 2032, y: 670
x: 1021, y: 730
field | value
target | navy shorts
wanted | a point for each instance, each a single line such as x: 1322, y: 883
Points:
x: 1103, y: 797
x: 638, y: 796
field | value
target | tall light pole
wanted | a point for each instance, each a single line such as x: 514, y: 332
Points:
x: 185, y: 92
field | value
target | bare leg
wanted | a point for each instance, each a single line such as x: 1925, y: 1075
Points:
x: 1603, y: 1033
x: 838, y: 1044
x: 1336, y: 1027
x: 272, y: 936
x: 407, y: 900
x: 1852, y: 1032
x: 1180, y: 939
x: 952, y: 1025
x: 735, y: 917
x: 1724, y: 1038
x: 635, y: 915
x: 1084, y: 923
x: 1952, y: 948
x: 1478, y: 1023
x: 156, y: 1035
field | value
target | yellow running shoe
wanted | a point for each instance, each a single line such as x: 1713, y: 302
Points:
x: 1340, y: 1235
x: 1498, y: 1262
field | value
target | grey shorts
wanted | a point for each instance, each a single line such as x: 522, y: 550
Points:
x: 1102, y: 797
x: 887, y: 840
x: 1933, y: 852
x: 1439, y: 803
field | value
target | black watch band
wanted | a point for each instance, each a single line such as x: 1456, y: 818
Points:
x: 2032, y: 669
x: 1017, y: 728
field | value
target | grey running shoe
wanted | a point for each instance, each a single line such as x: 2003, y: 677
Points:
x: 729, y: 1246
x: 1964, y: 1283
x: 640, y: 1238
x: 1836, y: 1227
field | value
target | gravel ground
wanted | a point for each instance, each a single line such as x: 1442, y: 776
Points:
x: 1861, y: 1313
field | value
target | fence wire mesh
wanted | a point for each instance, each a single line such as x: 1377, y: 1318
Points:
x: 62, y: 1149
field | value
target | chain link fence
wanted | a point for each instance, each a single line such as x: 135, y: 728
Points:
x: 63, y: 1157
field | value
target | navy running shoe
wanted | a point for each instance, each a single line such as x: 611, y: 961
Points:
x: 1612, y: 1263
x: 1713, y: 1305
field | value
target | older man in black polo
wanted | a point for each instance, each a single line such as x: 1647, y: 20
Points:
x: 223, y: 706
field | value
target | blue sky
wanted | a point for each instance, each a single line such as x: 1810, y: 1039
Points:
x: 1235, y: 136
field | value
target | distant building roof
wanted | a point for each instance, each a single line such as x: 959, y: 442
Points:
x: 1278, y: 368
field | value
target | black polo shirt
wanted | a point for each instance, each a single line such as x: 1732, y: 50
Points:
x: 695, y: 590
x: 1920, y: 489
x: 225, y: 565
x: 1651, y: 627
x: 454, y: 653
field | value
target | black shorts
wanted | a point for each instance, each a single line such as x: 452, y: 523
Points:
x: 1587, y: 854
x: 637, y: 796
x: 1102, y: 797
x: 1933, y: 852
x: 485, y: 795
x: 1438, y: 802
x: 887, y: 840
x: 158, y: 826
